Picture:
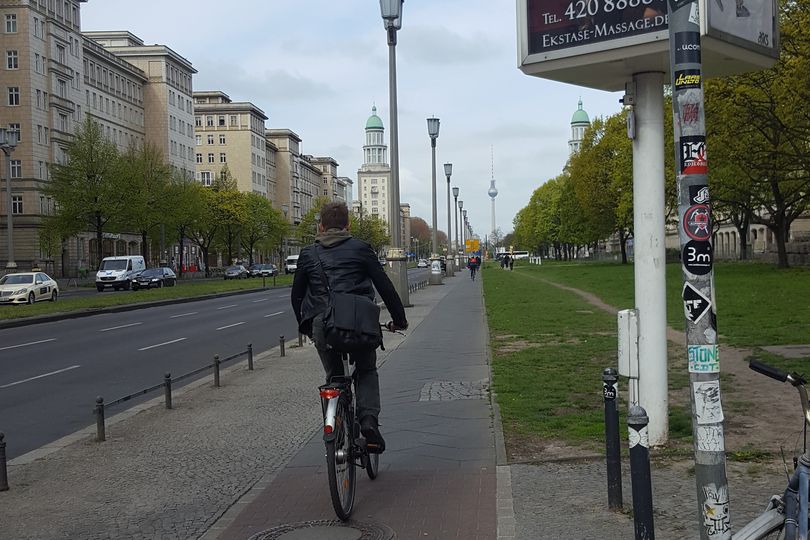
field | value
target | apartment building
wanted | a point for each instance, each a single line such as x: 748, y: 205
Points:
x: 343, y: 189
x: 310, y: 183
x: 288, y: 156
x: 270, y: 160
x: 167, y: 95
x: 231, y: 134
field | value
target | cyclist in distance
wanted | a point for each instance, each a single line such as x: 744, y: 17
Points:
x: 351, y: 266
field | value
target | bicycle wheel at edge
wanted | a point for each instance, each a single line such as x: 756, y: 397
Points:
x: 340, y: 464
x: 372, y: 464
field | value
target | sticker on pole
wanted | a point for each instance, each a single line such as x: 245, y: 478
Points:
x: 697, y: 257
x: 693, y: 155
x: 699, y: 194
x: 716, y: 517
x: 697, y: 222
x: 707, y: 402
x: 641, y: 437
x: 710, y: 438
x: 687, y: 48
x: 695, y: 304
x: 703, y: 359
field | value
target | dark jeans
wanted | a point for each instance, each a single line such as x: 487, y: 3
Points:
x: 368, y: 383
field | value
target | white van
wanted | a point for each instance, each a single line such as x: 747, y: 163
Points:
x: 117, y: 272
x: 291, y: 264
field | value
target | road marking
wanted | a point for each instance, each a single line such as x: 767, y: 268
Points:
x: 39, y: 376
x: 260, y: 300
x: 161, y: 344
x: 230, y: 325
x: 184, y: 314
x: 122, y: 326
x: 27, y: 344
x: 226, y: 307
x: 274, y: 314
x: 283, y: 296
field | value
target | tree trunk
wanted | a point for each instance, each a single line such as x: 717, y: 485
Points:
x: 780, y: 232
x: 623, y: 242
x: 180, y: 255
x: 144, y: 247
x: 99, y: 239
x: 205, y: 260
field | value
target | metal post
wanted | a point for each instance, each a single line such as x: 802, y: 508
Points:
x: 3, y: 467
x: 100, y: 431
x: 9, y: 215
x: 695, y: 230
x: 167, y: 387
x: 216, y: 370
x: 300, y: 339
x: 281, y: 344
x: 449, y: 259
x: 434, y: 238
x: 637, y: 421
x: 250, y: 356
x: 610, y: 391
x: 455, y: 204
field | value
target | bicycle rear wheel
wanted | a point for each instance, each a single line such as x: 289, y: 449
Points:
x: 769, y: 524
x: 340, y: 463
x: 372, y: 464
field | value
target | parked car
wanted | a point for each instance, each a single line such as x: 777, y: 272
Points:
x: 422, y: 263
x: 255, y: 270
x: 236, y: 271
x: 154, y: 277
x: 269, y: 270
x: 27, y: 288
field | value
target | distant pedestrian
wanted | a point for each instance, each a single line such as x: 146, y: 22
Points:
x: 505, y: 261
x: 511, y: 263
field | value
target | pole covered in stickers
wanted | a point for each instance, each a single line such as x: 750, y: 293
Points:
x: 695, y: 232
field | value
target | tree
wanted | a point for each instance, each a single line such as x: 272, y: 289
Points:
x: 206, y: 224
x: 187, y: 199
x: 370, y: 229
x: 89, y: 188
x: 308, y: 226
x: 262, y: 223
x: 420, y: 230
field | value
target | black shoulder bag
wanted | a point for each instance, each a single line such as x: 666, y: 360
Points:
x: 351, y: 322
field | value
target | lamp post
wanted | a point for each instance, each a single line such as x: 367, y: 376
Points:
x: 448, y: 171
x: 285, y: 208
x: 455, y: 206
x: 8, y: 141
x: 433, y: 133
x: 391, y: 11
x: 463, y: 236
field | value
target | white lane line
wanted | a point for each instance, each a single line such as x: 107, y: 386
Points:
x: 274, y: 314
x: 261, y: 300
x: 283, y: 296
x: 27, y: 344
x: 161, y: 344
x: 230, y: 325
x: 39, y: 376
x: 226, y: 307
x: 122, y: 326
x: 184, y: 314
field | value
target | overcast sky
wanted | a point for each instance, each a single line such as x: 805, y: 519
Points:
x: 317, y: 67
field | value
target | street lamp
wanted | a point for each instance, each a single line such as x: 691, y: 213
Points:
x: 8, y: 141
x: 391, y: 11
x: 463, y: 237
x: 455, y: 206
x: 448, y: 171
x: 433, y: 132
x: 285, y: 208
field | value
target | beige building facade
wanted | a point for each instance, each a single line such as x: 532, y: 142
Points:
x: 288, y: 145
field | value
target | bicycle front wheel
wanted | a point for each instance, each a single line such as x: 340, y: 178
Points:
x: 372, y: 463
x: 340, y: 463
x: 769, y: 524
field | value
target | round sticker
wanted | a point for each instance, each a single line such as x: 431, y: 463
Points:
x: 697, y: 222
x: 697, y: 257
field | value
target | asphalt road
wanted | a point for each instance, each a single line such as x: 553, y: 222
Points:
x: 51, y: 373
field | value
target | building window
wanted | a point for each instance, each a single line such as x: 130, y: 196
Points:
x: 13, y: 95
x: 63, y: 91
x: 11, y: 23
x: 199, y: 158
x: 60, y: 56
x: 222, y: 157
x: 205, y: 178
x: 16, y: 168
x: 15, y: 128
x: 233, y: 120
x: 222, y: 139
x: 63, y: 123
x: 221, y: 121
x: 198, y: 138
x: 210, y: 158
x: 16, y: 204
x: 209, y: 121
x: 210, y: 139
x: 12, y: 60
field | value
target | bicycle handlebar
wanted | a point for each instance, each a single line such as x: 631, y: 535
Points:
x: 770, y: 371
x: 793, y: 378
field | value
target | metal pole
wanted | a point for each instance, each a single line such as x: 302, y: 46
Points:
x: 399, y: 266
x: 9, y: 219
x: 3, y: 467
x: 449, y: 260
x: 281, y: 344
x: 612, y: 447
x: 434, y: 239
x: 250, y: 356
x: 455, y: 200
x: 694, y: 210
x: 641, y: 480
x: 216, y: 370
x: 167, y: 383
x: 99, y: 410
x: 300, y: 339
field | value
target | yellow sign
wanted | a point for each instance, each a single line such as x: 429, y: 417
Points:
x: 472, y: 245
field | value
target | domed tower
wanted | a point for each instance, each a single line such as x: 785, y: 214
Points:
x: 374, y: 175
x: 375, y: 151
x: 579, y: 123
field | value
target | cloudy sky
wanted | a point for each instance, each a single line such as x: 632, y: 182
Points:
x: 318, y: 66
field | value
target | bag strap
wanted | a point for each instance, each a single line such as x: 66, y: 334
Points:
x: 323, y: 274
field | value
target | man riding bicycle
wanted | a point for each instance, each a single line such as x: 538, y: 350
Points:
x: 351, y: 266
x: 473, y: 264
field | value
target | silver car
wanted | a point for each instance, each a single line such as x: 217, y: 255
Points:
x: 27, y: 288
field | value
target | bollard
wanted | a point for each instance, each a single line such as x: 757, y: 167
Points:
x: 281, y: 344
x: 3, y: 469
x: 167, y: 383
x: 300, y: 339
x: 250, y: 356
x: 100, y: 432
x: 641, y: 481
x: 612, y: 448
x: 216, y: 370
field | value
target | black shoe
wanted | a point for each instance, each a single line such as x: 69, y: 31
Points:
x: 371, y: 431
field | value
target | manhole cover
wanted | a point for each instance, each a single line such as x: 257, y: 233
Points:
x: 452, y: 390
x: 326, y: 529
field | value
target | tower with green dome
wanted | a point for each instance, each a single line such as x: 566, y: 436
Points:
x: 374, y: 176
x: 579, y: 123
x: 375, y: 151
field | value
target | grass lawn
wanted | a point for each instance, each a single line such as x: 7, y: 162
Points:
x: 183, y: 289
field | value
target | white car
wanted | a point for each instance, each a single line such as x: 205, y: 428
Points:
x: 422, y: 263
x: 27, y: 288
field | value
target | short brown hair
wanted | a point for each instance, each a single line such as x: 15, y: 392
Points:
x: 334, y: 215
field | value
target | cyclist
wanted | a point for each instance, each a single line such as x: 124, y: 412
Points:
x: 351, y: 266
x: 472, y: 264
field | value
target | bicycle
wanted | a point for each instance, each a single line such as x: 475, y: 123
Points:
x: 785, y: 514
x: 346, y: 448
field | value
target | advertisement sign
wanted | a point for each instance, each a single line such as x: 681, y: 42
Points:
x: 749, y: 21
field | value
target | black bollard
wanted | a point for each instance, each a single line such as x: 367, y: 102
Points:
x: 612, y: 447
x: 216, y: 370
x: 637, y: 421
x: 167, y: 386
x: 100, y: 431
x: 281, y: 344
x: 3, y: 469
x: 300, y: 339
x: 250, y: 356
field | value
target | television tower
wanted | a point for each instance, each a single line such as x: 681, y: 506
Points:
x: 493, y: 191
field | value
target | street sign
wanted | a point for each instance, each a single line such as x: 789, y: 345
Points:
x: 472, y: 244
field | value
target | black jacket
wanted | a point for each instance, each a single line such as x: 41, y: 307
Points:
x: 351, y: 266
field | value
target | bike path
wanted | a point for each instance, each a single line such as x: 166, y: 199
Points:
x: 438, y: 475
